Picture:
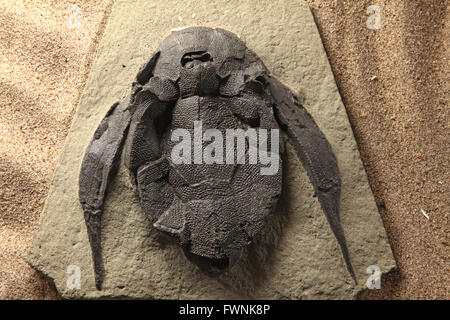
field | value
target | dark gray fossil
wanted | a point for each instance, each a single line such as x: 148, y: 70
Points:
x: 213, y: 211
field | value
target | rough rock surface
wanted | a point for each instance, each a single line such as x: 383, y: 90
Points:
x: 297, y: 256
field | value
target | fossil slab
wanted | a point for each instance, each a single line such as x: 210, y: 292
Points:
x: 296, y: 256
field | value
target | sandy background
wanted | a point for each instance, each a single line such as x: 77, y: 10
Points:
x: 394, y: 82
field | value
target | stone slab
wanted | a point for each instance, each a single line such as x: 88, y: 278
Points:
x: 296, y: 257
